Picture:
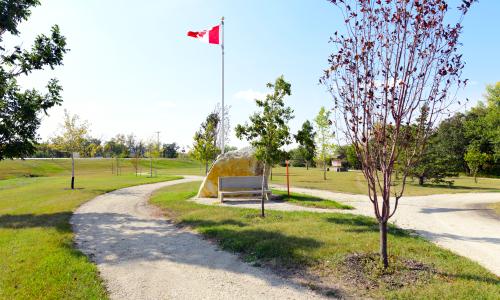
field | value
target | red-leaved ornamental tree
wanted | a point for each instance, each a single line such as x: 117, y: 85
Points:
x: 394, y: 71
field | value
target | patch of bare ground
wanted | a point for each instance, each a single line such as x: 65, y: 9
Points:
x: 356, y: 275
x: 365, y: 272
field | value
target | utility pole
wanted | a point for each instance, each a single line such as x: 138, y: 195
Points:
x: 151, y: 162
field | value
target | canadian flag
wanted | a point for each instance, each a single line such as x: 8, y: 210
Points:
x: 211, y: 36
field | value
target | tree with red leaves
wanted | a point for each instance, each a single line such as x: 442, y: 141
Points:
x: 394, y: 71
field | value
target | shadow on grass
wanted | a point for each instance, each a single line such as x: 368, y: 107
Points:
x: 471, y: 277
x: 361, y: 224
x: 116, y: 239
x: 255, y: 243
x: 59, y: 221
x: 208, y: 223
x: 455, y: 187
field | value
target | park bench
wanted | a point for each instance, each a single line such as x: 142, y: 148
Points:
x: 242, y: 185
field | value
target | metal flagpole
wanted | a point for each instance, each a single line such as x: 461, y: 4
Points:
x: 222, y: 116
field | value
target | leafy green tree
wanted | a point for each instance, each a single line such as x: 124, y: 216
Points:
x: 20, y: 110
x: 305, y: 137
x: 352, y: 157
x: 482, y: 129
x: 268, y: 130
x: 296, y: 156
x: 451, y: 138
x: 72, y: 139
x: 324, y: 137
x: 170, y: 150
x: 205, y: 147
x: 117, y: 146
x: 475, y: 160
x: 436, y: 163
x: 228, y: 148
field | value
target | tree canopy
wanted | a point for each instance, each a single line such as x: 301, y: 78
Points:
x: 305, y: 137
x: 205, y: 140
x: 268, y: 129
x: 324, y: 137
x: 20, y: 109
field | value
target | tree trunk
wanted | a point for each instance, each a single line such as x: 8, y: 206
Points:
x: 262, y: 214
x: 475, y: 177
x: 324, y: 170
x: 307, y: 165
x: 383, y: 243
x: 421, y: 180
x: 271, y: 173
x: 72, y: 171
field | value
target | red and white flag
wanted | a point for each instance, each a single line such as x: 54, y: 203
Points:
x: 211, y: 36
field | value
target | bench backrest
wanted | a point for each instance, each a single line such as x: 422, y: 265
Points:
x: 241, y: 182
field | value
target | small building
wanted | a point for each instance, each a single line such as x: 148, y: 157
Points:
x: 337, y: 165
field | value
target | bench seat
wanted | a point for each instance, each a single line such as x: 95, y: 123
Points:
x: 241, y: 185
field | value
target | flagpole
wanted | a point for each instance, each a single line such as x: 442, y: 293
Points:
x: 222, y: 116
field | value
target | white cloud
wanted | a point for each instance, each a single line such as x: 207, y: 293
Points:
x: 249, y: 95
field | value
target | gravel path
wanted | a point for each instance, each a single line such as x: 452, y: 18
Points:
x: 459, y: 222
x: 140, y: 255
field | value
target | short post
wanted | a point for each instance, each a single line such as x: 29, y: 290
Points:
x: 287, y: 178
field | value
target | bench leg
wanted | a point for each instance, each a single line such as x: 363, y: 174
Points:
x: 221, y: 196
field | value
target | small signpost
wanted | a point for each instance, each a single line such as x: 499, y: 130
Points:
x: 287, y: 162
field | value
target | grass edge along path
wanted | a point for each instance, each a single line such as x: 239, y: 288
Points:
x: 320, y: 249
x: 37, y: 256
x: 308, y: 200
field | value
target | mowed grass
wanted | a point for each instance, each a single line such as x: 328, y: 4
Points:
x: 37, y: 257
x: 316, y: 245
x: 52, y: 167
x: 309, y: 201
x: 353, y: 182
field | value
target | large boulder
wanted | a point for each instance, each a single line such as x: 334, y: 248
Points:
x: 233, y: 163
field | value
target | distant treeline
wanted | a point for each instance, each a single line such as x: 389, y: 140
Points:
x: 119, y: 146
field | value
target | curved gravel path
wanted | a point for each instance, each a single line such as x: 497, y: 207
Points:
x: 140, y: 255
x: 459, y: 222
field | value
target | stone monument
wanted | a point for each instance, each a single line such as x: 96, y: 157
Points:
x: 233, y: 163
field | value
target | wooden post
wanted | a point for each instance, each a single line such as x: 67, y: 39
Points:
x: 287, y: 178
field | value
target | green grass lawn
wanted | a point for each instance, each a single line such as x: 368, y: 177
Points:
x: 317, y: 248
x: 37, y: 258
x: 354, y: 182
x: 309, y: 201
x: 52, y: 167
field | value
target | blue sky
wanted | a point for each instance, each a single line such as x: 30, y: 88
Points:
x: 132, y: 69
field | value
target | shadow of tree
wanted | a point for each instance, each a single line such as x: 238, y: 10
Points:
x: 471, y: 277
x: 257, y: 243
x: 455, y: 187
x: 114, y: 238
x: 431, y: 210
x: 360, y: 224
x: 59, y: 221
x: 450, y: 236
